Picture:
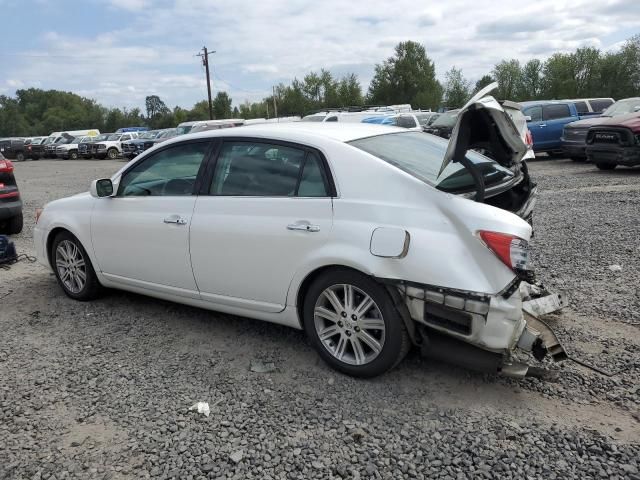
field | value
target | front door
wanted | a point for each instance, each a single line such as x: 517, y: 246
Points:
x: 141, y: 235
x: 267, y: 208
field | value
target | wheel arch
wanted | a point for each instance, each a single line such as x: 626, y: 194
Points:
x: 393, y: 293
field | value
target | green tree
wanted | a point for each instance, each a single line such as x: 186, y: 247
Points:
x: 509, y: 77
x: 408, y: 76
x: 531, y: 82
x: 222, y: 106
x: 156, y: 111
x: 484, y: 81
x: 456, y: 88
x: 559, y: 77
x: 349, y: 91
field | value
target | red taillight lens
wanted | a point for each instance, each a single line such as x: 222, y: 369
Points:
x: 529, y: 138
x: 6, y: 166
x: 512, y: 250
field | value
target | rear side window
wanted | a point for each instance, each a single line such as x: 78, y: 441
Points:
x: 332, y: 119
x: 258, y: 169
x: 600, y: 105
x: 581, y: 107
x: 535, y: 113
x: 552, y: 112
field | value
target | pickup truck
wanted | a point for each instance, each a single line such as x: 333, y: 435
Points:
x: 574, y: 137
x: 615, y: 141
x: 12, y: 148
x: 546, y: 120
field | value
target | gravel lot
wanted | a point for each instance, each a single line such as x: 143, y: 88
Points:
x: 103, y: 389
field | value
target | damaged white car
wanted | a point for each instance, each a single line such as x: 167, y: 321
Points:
x: 369, y: 238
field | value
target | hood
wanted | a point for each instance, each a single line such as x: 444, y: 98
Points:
x: 630, y: 121
x: 483, y: 121
x: 587, y: 122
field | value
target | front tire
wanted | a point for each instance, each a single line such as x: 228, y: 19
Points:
x: 112, y: 154
x: 353, y: 324
x: 73, y: 155
x: 73, y: 268
x: 605, y: 166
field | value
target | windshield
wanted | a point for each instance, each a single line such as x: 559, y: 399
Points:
x: 49, y: 140
x: 313, y: 118
x: 622, y: 106
x: 114, y: 137
x: 184, y: 129
x: 421, y: 155
x: 149, y: 135
x: 101, y: 137
x: 60, y: 140
x: 447, y: 119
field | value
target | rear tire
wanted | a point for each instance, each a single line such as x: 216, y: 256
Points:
x: 73, y: 268
x: 19, y: 157
x: 14, y: 225
x: 606, y: 166
x: 353, y: 324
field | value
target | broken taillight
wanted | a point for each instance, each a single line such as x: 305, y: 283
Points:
x: 529, y: 138
x: 511, y: 250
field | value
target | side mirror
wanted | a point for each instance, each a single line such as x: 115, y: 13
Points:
x: 527, y: 118
x: 101, y: 188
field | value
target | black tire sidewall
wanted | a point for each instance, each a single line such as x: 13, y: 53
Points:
x: 90, y: 287
x: 111, y: 155
x: 394, y: 333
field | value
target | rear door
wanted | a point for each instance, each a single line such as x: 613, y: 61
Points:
x: 554, y: 117
x: 267, y: 208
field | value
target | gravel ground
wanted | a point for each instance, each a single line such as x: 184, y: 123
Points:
x: 103, y: 389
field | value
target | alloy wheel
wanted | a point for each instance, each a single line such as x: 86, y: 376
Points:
x: 349, y: 324
x: 71, y: 266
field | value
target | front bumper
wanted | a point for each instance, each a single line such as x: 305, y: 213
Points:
x: 614, y: 154
x: 574, y: 149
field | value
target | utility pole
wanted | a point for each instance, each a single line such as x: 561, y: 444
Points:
x: 275, y: 105
x: 205, y: 62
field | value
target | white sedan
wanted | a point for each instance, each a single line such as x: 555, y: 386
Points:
x: 367, y: 237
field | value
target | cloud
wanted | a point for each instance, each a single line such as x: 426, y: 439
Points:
x: 152, y: 46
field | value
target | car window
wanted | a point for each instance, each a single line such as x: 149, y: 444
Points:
x: 169, y: 172
x: 406, y: 121
x: 421, y: 156
x: 582, y: 107
x: 261, y: 169
x: 534, y: 112
x: 553, y: 112
x: 332, y: 119
x: 600, y: 105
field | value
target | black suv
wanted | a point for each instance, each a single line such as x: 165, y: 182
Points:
x: 12, y: 148
x: 10, y: 202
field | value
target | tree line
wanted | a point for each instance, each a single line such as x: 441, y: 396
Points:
x: 408, y: 76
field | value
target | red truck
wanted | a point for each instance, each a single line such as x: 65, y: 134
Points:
x: 615, y: 141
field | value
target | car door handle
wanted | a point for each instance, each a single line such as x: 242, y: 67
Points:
x: 304, y: 227
x: 175, y: 219
x: 542, y: 125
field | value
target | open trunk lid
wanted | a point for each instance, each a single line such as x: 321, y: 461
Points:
x: 483, y: 123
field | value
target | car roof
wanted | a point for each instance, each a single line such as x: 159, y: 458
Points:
x: 299, y: 131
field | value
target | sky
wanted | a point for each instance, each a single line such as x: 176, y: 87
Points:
x: 119, y: 51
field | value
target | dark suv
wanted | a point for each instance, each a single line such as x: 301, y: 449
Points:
x: 10, y: 202
x: 12, y: 148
